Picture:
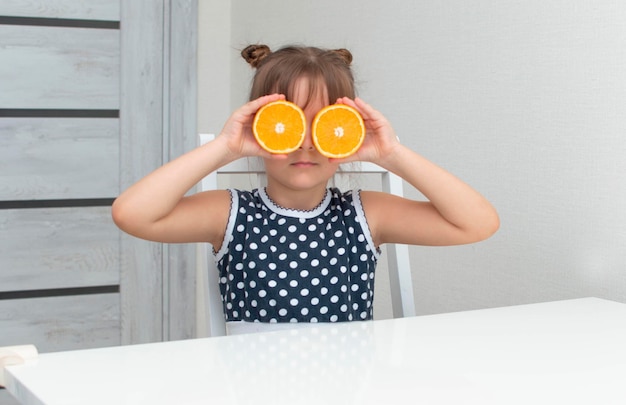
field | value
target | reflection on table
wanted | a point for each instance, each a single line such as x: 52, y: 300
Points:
x: 559, y: 352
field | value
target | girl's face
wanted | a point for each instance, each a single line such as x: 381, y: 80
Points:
x: 305, y: 168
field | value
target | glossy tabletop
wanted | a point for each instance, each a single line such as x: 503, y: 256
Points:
x: 563, y: 352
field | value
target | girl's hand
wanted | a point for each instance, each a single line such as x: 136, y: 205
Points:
x: 380, y: 138
x: 237, y: 131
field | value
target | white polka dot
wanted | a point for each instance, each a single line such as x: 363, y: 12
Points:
x: 293, y: 264
x: 262, y: 256
x: 312, y: 228
x: 272, y: 283
x: 282, y: 312
x: 304, y: 292
x: 282, y: 256
x: 323, y: 310
x: 303, y: 255
x: 324, y: 291
x: 341, y: 251
x: 334, y: 299
x: 304, y: 311
x: 254, y: 246
x: 334, y: 280
x: 292, y: 228
x: 283, y: 293
x: 315, y: 301
x: 293, y: 302
x: 304, y: 273
x: 315, y: 281
x: 334, y: 318
x: 293, y: 246
x: 293, y: 283
x: 315, y: 262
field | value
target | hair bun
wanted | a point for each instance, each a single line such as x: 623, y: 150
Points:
x: 254, y: 54
x: 344, y: 54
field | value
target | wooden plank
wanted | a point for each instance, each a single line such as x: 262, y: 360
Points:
x: 61, y: 323
x: 59, y: 68
x: 57, y: 248
x: 108, y: 10
x: 59, y: 158
x: 182, y: 135
x: 141, y: 140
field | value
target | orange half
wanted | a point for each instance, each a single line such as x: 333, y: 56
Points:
x: 279, y: 127
x: 338, y: 131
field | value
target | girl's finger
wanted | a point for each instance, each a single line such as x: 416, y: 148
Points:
x: 251, y: 107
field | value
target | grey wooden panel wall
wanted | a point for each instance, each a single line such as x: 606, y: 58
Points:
x: 108, y: 10
x: 59, y: 172
x: 58, y: 158
x: 59, y: 67
x: 89, y: 109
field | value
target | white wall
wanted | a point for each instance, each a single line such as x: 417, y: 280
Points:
x: 526, y: 101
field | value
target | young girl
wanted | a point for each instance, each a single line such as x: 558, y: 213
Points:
x: 296, y: 250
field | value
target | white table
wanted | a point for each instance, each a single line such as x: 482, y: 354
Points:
x: 564, y: 352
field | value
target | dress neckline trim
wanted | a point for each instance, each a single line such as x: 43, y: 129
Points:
x: 290, y: 212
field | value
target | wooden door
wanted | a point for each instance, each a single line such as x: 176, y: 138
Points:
x: 93, y: 95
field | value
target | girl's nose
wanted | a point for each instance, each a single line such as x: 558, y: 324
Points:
x: 308, y: 141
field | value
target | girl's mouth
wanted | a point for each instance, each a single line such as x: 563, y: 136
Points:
x: 303, y: 164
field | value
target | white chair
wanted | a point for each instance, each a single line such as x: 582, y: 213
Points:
x: 209, y: 311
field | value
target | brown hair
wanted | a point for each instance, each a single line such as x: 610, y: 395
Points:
x: 278, y: 71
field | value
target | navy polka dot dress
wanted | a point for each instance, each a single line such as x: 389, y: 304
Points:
x: 284, y: 265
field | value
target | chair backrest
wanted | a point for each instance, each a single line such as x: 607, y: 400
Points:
x: 209, y: 310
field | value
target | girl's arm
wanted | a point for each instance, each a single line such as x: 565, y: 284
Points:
x: 155, y: 208
x: 454, y: 214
